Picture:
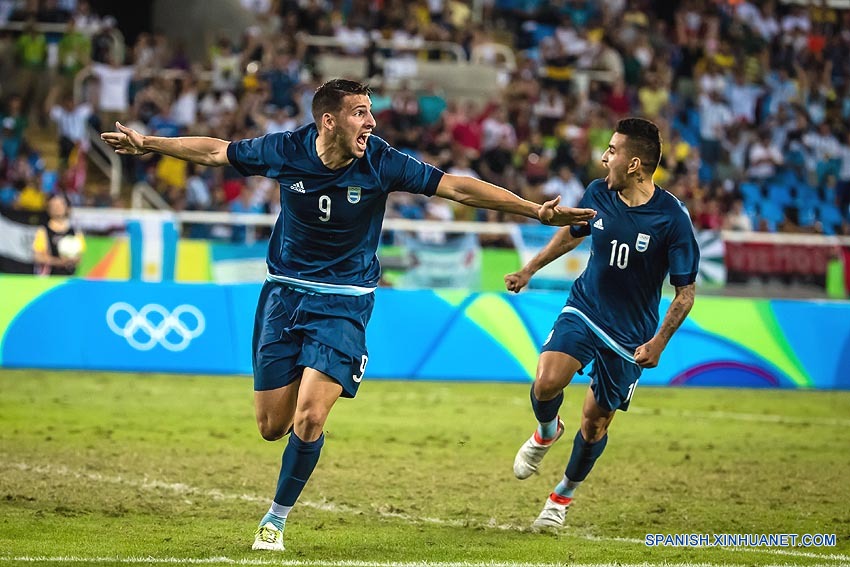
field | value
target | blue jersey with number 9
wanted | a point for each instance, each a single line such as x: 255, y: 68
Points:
x: 327, y: 234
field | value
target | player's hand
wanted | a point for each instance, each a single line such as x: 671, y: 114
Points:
x: 647, y: 355
x: 126, y: 141
x: 516, y: 281
x: 550, y: 213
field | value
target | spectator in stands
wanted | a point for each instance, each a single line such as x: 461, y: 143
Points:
x: 85, y: 21
x: 715, y: 116
x: 653, y: 96
x: 281, y: 80
x: 617, y: 100
x: 13, y: 122
x: 549, y: 110
x: 52, y: 256
x: 108, y: 47
x: 565, y: 185
x: 823, y: 150
x: 31, y: 55
x: 226, y: 67
x: 184, y: 110
x: 74, y: 54
x: 114, y: 87
x: 247, y: 202
x: 764, y: 158
x: 737, y: 218
x: 72, y: 121
x: 790, y: 82
x: 743, y: 97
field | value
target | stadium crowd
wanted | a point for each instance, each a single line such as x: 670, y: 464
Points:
x: 752, y: 98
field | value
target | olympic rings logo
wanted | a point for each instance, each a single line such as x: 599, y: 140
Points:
x: 154, y: 325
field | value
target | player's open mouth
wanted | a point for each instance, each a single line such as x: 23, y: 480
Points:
x: 361, y: 140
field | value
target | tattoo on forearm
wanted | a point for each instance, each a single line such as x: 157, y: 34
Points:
x: 678, y: 311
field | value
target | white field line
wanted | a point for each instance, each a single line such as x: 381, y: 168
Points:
x: 214, y: 494
x: 735, y: 416
x: 343, y: 563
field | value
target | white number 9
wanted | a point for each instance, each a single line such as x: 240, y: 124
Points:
x: 363, y: 362
x: 325, y: 208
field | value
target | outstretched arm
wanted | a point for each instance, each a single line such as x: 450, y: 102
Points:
x: 196, y: 149
x: 647, y: 355
x: 561, y: 243
x: 477, y: 193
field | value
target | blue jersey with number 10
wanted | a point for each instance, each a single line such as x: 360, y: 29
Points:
x: 329, y: 226
x: 632, y: 251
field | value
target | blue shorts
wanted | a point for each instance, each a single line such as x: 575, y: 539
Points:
x: 294, y: 329
x: 613, y: 379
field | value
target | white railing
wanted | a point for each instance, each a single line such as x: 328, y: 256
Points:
x: 143, y: 193
x: 105, y: 159
x: 83, y: 216
x: 96, y: 217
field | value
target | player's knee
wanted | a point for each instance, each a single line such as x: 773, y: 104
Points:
x: 547, y: 386
x: 271, y: 431
x: 309, y: 424
x: 593, y: 430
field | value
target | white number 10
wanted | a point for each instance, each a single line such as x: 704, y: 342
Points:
x: 620, y: 255
x: 325, y: 207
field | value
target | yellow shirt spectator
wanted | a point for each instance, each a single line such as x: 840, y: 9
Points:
x: 32, y: 199
x: 172, y: 172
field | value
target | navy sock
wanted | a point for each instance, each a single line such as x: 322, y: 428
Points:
x: 297, y: 464
x: 583, y: 457
x: 546, y: 411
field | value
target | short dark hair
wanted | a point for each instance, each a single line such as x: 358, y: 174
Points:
x: 644, y: 140
x: 330, y: 95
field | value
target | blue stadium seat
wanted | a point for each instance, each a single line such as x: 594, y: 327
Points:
x: 693, y: 118
x: 771, y: 211
x: 807, y: 215
x: 829, y: 215
x: 807, y: 196
x: 780, y: 194
x: 751, y: 192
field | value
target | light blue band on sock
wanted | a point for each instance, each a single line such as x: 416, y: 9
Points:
x: 276, y: 521
x: 566, y: 487
x: 279, y: 510
x: 548, y: 430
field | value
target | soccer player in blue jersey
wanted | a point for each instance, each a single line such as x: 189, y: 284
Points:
x: 309, y: 345
x: 639, y: 235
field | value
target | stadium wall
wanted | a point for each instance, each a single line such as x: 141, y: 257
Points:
x: 415, y: 335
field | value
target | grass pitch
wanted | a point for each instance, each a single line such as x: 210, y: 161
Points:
x: 126, y: 468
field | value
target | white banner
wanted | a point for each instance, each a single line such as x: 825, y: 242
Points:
x: 16, y: 240
x: 453, y: 264
x: 529, y: 239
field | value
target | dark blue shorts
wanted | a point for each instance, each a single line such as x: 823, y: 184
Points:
x: 613, y: 379
x: 294, y: 329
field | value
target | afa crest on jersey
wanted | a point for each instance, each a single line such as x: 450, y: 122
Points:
x: 354, y: 194
x: 642, y: 242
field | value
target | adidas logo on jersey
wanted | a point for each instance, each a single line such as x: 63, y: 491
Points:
x: 598, y: 224
x: 299, y: 186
